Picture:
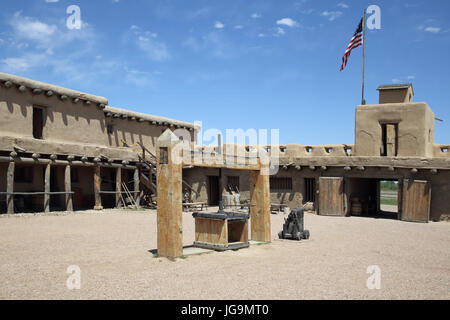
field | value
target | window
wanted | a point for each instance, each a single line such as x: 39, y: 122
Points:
x: 38, y: 122
x: 389, y: 145
x: 280, y: 184
x: 24, y: 174
x: 233, y: 183
x: 109, y: 129
x: 163, y: 155
x: 310, y: 190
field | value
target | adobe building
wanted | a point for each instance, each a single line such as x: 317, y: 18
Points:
x: 62, y: 149
x: 394, y: 141
x: 65, y: 150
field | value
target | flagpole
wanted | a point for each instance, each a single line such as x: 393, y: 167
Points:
x: 363, y: 101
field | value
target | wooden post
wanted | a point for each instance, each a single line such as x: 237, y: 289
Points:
x: 10, y: 187
x: 260, y: 206
x: 137, y: 194
x: 47, y: 188
x: 68, y: 188
x: 118, y: 187
x: 169, y: 185
x: 97, y: 186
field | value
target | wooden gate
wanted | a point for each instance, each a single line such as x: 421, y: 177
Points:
x: 416, y: 197
x: 331, y: 197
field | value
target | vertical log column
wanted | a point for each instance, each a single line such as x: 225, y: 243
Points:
x: 118, y: 187
x: 169, y: 185
x: 260, y: 206
x: 10, y: 187
x: 47, y: 189
x: 137, y: 193
x: 68, y: 188
x: 97, y: 185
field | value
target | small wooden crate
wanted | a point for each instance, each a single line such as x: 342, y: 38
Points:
x: 221, y: 232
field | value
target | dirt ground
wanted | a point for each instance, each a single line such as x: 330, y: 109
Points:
x: 112, y: 250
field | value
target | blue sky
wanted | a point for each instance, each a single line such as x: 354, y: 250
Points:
x: 235, y: 64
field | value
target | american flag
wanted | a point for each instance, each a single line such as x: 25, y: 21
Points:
x: 356, y: 41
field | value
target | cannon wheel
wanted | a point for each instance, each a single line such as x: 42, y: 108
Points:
x: 306, y: 234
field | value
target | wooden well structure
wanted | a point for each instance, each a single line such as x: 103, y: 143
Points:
x: 169, y: 184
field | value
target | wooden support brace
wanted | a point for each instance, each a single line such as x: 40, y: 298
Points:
x: 118, y: 187
x: 47, y: 188
x: 10, y: 187
x: 260, y: 206
x: 169, y: 184
x: 97, y: 186
x: 68, y: 188
x: 136, y: 187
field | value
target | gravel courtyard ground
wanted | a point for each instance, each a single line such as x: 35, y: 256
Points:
x: 112, y: 249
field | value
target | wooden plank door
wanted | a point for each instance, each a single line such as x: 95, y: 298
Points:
x: 331, y: 196
x: 416, y: 198
x: 391, y: 140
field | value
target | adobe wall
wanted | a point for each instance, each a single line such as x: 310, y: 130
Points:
x: 415, y: 128
x: 440, y: 184
x: 133, y: 132
x: 396, y: 95
x: 65, y: 121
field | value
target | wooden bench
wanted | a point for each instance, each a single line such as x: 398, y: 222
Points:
x: 194, y: 205
x: 277, y: 207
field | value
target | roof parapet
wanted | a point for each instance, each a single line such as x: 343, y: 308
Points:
x: 37, y: 87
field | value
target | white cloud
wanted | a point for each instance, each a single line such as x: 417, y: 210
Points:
x: 280, y: 31
x: 146, y: 41
x: 192, y: 43
x: 342, y: 5
x: 31, y: 29
x: 238, y: 26
x: 396, y: 80
x: 288, y: 22
x: 155, y: 50
x: 432, y: 29
x: 15, y: 64
x: 51, y: 1
x: 261, y: 35
x: 138, y: 78
x: 44, y: 36
x: 255, y: 15
x: 331, y: 15
x: 202, y: 12
x: 219, y: 25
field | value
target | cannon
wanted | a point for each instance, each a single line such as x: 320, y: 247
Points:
x: 293, y: 227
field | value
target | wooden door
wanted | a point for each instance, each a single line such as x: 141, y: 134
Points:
x: 416, y: 197
x: 331, y: 197
x: 213, y: 191
x: 391, y: 140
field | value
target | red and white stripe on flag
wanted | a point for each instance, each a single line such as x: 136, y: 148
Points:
x: 356, y: 41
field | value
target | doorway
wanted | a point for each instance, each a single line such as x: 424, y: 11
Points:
x: 213, y: 191
x: 376, y: 198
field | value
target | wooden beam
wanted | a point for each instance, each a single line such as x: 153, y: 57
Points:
x: 68, y: 188
x: 260, y: 206
x: 97, y: 188
x: 118, y: 187
x: 10, y: 187
x: 169, y: 182
x: 47, y: 188
x: 137, y: 174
